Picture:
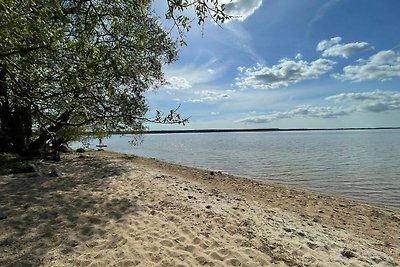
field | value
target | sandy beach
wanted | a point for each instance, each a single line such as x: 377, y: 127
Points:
x: 110, y: 209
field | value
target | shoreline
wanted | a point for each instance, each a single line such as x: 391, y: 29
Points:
x: 285, y: 191
x: 272, y: 183
x: 111, y: 208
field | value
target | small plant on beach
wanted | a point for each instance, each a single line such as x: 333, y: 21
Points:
x: 13, y: 163
x: 80, y: 150
x: 6, y: 158
x: 85, y: 65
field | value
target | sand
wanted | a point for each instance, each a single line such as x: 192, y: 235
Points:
x: 109, y: 209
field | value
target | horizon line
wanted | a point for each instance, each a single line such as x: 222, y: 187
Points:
x: 224, y: 130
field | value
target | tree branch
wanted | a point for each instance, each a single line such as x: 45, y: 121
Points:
x: 24, y: 50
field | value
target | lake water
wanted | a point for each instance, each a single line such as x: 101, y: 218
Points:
x: 363, y: 165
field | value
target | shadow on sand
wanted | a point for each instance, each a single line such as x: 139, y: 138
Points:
x: 39, y: 213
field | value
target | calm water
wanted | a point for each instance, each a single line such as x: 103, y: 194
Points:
x: 362, y: 165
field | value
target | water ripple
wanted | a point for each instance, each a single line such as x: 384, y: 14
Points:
x: 362, y: 165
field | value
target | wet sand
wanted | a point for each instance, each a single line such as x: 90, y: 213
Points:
x: 110, y: 209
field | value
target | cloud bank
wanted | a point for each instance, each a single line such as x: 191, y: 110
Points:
x: 333, y: 48
x: 300, y: 111
x: 281, y: 75
x: 375, y: 101
x: 382, y: 66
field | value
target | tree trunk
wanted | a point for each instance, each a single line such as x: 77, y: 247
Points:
x: 45, y: 136
x: 3, y: 98
x: 5, y: 114
x: 16, y: 124
x: 15, y: 121
x: 20, y: 128
x: 16, y: 129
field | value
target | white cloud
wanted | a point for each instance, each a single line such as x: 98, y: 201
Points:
x: 298, y: 56
x: 186, y: 79
x: 375, y: 101
x: 382, y: 66
x: 241, y: 9
x: 177, y: 83
x: 325, y: 44
x: 333, y: 48
x: 208, y: 96
x: 281, y: 75
x: 300, y: 111
x: 192, y: 74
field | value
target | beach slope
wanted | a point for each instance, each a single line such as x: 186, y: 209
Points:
x: 110, y: 209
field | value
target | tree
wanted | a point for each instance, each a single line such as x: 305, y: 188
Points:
x: 83, y: 63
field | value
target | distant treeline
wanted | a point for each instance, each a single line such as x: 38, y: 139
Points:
x: 256, y: 130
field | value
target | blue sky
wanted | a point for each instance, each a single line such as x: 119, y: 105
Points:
x: 288, y: 64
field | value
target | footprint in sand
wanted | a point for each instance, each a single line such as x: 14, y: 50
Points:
x: 127, y: 263
x: 234, y: 262
x: 225, y: 251
x: 189, y: 248
x: 203, y: 261
x: 167, y: 243
x: 196, y: 241
x: 216, y: 256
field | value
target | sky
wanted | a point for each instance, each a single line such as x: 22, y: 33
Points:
x: 288, y: 64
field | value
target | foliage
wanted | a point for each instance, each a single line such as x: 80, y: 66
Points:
x: 70, y: 66
x: 203, y: 9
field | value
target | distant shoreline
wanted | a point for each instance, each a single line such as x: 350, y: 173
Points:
x: 258, y: 130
